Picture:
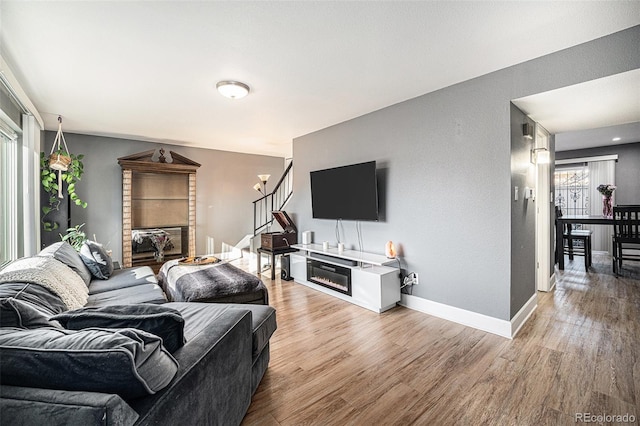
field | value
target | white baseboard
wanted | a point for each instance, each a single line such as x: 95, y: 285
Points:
x: 472, y: 319
x: 460, y: 316
x: 552, y: 281
x: 523, y: 314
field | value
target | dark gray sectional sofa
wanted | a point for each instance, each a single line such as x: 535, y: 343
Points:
x: 54, y: 375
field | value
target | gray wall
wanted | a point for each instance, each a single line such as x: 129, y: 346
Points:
x: 224, y: 188
x: 627, y: 168
x: 523, y: 217
x: 446, y: 163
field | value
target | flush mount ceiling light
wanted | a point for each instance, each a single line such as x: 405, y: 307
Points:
x: 616, y: 139
x: 232, y: 89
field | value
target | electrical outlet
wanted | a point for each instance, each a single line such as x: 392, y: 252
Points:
x: 411, y: 279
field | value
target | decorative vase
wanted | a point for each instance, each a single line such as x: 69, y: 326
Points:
x: 159, y: 256
x: 607, y: 207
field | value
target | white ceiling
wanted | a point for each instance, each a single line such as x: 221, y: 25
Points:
x: 589, y: 114
x: 147, y: 70
x: 602, y: 136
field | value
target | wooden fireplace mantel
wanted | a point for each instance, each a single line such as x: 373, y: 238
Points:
x: 157, y: 193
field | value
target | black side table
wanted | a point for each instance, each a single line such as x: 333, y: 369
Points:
x: 273, y: 253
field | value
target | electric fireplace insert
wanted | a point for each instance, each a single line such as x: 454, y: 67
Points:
x: 331, y: 276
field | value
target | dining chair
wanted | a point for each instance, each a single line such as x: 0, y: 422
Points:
x: 569, y: 236
x: 626, y: 235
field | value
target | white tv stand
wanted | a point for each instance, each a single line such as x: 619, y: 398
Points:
x: 374, y: 285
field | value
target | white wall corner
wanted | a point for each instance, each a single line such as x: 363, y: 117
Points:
x: 461, y: 316
x: 523, y: 314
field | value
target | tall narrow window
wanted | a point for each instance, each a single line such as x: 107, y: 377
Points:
x: 20, y: 132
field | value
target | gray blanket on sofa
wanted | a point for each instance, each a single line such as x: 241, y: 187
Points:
x: 206, y: 283
x: 51, y: 274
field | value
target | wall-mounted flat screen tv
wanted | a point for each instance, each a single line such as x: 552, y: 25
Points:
x: 348, y: 192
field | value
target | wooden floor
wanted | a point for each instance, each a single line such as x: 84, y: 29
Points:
x: 333, y: 363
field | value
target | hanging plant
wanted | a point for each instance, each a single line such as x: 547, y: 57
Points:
x: 55, y: 169
x: 51, y: 183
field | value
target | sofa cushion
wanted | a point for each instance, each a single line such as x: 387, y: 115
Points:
x: 122, y: 278
x: 28, y: 305
x: 160, y: 320
x: 199, y: 315
x: 97, y: 260
x: 127, y: 362
x: 145, y: 293
x: 66, y: 254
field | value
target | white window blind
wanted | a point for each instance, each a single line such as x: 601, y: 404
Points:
x: 601, y: 172
x: 8, y: 193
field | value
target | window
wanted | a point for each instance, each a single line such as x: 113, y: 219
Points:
x: 572, y: 190
x: 576, y: 182
x: 20, y: 132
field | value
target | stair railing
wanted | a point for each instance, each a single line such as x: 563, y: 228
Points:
x: 275, y: 200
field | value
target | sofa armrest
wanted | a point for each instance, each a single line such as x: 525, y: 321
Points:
x: 33, y: 406
x: 213, y: 383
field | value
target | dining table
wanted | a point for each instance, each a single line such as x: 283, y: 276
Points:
x: 575, y: 219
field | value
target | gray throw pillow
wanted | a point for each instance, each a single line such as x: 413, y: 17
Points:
x: 127, y: 362
x: 17, y: 313
x: 66, y: 254
x: 28, y: 306
x: 97, y: 260
x: 159, y: 320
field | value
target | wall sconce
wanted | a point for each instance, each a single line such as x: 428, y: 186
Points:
x: 540, y: 156
x: 527, y: 131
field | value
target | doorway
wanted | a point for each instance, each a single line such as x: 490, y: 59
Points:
x: 544, y: 200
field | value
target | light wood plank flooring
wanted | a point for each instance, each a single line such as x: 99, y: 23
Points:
x: 333, y: 363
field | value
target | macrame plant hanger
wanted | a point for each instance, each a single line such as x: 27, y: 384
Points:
x: 61, y: 160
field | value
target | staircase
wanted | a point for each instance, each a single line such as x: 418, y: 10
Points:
x: 275, y: 200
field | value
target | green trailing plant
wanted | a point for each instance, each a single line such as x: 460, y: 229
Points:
x: 49, y: 180
x: 75, y: 236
